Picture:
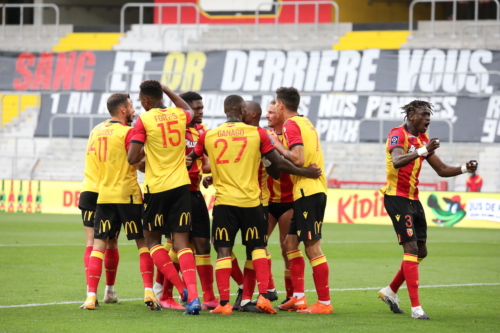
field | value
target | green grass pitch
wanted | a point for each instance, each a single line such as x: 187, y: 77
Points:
x: 41, y: 262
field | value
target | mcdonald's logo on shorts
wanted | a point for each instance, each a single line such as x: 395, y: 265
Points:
x: 253, y: 232
x: 130, y: 227
x: 220, y: 232
x: 317, y: 227
x: 185, y: 219
x: 87, y: 216
x: 158, y: 220
x: 102, y: 227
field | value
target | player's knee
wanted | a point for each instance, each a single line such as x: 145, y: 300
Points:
x: 410, y: 248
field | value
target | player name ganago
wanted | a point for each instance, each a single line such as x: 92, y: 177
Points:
x: 231, y: 132
x: 165, y: 117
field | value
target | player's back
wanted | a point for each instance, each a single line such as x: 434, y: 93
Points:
x: 234, y: 150
x: 118, y: 179
x: 301, y: 128
x: 165, y: 132
x: 91, y: 171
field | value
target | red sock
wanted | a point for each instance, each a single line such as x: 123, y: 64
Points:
x: 288, y: 284
x: 206, y: 273
x: 223, y: 277
x: 270, y: 284
x: 111, y: 259
x: 398, y: 280
x: 95, y: 270
x: 86, y: 256
x: 164, y: 263
x: 410, y: 270
x: 236, y: 272
x: 188, y: 269
x: 168, y: 287
x: 297, y: 268
x: 159, y: 277
x: 321, y: 274
x: 261, y: 267
x: 147, y: 267
x: 248, y: 280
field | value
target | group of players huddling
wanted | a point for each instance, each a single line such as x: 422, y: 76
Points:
x: 261, y: 179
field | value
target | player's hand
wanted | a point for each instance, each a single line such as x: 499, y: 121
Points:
x: 313, y: 171
x: 189, y: 161
x: 471, y: 165
x: 207, y: 181
x: 274, y: 137
x: 432, y: 145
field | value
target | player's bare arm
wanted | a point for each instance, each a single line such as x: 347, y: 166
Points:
x: 135, y: 153
x: 400, y: 160
x: 312, y: 171
x: 177, y: 100
x: 295, y: 155
x: 445, y: 170
x: 141, y: 166
x: 205, y: 168
x: 271, y: 170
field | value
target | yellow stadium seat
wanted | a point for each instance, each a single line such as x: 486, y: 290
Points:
x: 361, y: 40
x: 10, y: 106
x: 87, y: 41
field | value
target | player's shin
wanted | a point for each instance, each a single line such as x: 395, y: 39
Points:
x: 297, y: 268
x: 223, y: 277
x: 206, y: 273
x: 288, y: 283
x: 261, y: 267
x: 398, y: 280
x: 94, y: 271
x: 410, y: 269
x: 188, y: 269
x: 146, y: 266
x: 236, y: 272
x: 321, y: 275
x: 270, y: 286
x: 111, y: 260
x: 248, y: 282
x: 162, y: 260
x: 86, y: 258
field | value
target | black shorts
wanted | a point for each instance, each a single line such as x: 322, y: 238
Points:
x: 229, y: 219
x: 276, y: 209
x: 308, y: 214
x: 168, y: 211
x: 88, y: 204
x: 200, y: 225
x: 408, y: 218
x: 110, y: 217
x: 265, y: 209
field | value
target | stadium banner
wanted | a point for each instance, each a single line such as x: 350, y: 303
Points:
x: 444, y: 209
x: 338, y: 117
x: 350, y: 71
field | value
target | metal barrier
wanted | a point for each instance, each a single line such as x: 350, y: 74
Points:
x: 19, y: 94
x: 201, y: 41
x: 296, y: 4
x: 146, y: 73
x: 160, y: 8
x: 454, y: 19
x: 40, y: 19
x: 15, y: 156
x: 434, y: 74
x: 483, y: 25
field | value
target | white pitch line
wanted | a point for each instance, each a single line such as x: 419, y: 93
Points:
x: 333, y: 289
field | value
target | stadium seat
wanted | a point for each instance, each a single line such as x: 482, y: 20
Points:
x: 87, y: 41
x: 361, y: 40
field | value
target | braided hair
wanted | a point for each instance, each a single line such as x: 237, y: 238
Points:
x: 412, y: 106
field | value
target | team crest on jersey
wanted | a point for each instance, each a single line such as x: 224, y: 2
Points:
x: 394, y: 139
x: 409, y: 232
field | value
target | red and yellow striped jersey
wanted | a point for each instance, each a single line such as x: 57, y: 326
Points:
x: 91, y: 171
x: 403, y: 182
x: 192, y: 136
x: 264, y: 190
x: 299, y: 130
x: 118, y: 179
x: 163, y: 132
x: 281, y: 190
x: 235, y: 150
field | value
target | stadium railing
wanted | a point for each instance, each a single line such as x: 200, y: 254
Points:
x: 160, y: 6
x: 296, y: 16
x: 201, y: 41
x: 164, y: 76
x: 454, y: 15
x: 38, y: 20
x: 335, y: 183
x: 436, y: 74
x: 483, y: 25
x: 16, y: 155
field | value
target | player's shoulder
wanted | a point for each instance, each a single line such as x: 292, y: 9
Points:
x: 399, y: 130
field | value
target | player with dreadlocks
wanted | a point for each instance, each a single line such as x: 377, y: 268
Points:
x: 407, y: 147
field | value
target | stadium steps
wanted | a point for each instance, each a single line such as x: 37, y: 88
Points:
x: 361, y: 40
x: 87, y: 41
x: 14, y: 109
x: 30, y: 41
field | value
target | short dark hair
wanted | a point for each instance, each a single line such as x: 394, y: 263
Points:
x: 273, y: 102
x: 190, y: 96
x: 413, y: 105
x: 290, y: 97
x: 231, y: 101
x: 151, y: 88
x: 115, y: 101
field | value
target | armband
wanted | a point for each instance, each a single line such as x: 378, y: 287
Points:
x: 464, y: 168
x: 422, y: 151
x: 265, y: 161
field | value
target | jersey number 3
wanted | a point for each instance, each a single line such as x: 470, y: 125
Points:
x: 224, y: 148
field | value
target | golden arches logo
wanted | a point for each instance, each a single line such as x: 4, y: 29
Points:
x: 185, y: 218
x: 102, y: 227
x: 220, y: 232
x: 158, y: 220
x: 253, y: 232
x: 317, y: 227
x: 130, y: 226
